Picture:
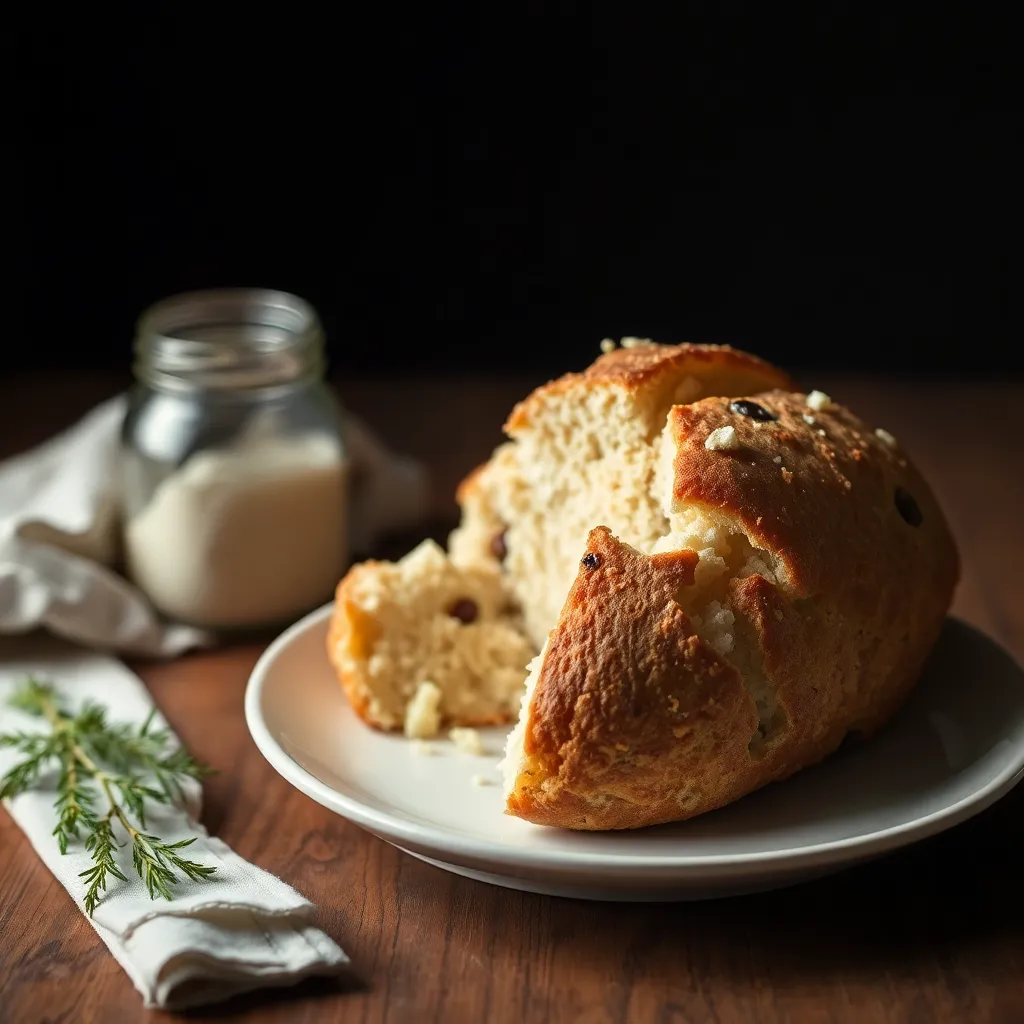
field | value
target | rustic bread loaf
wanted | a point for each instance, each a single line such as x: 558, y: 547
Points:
x: 793, y: 600
x: 752, y: 574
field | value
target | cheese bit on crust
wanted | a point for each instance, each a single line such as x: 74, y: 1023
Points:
x: 722, y: 439
x: 885, y: 437
x: 607, y: 345
x: 818, y: 401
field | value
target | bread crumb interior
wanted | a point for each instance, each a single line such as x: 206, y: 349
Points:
x: 424, y: 666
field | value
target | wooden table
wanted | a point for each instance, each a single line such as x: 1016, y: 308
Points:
x: 933, y: 933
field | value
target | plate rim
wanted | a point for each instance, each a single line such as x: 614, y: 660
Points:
x: 464, y: 848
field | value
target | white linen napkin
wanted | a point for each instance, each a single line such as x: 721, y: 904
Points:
x: 59, y: 521
x: 240, y: 930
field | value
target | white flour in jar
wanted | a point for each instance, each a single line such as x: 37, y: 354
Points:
x: 250, y: 535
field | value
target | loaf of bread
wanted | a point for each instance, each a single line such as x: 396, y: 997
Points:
x: 724, y: 577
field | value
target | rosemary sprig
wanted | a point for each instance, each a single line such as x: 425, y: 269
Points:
x: 126, y: 766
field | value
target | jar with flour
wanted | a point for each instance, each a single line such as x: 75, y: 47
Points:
x: 234, y: 470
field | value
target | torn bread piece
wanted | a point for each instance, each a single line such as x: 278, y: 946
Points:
x: 420, y: 644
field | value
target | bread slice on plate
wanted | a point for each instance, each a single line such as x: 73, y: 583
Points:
x: 724, y: 577
x: 422, y: 643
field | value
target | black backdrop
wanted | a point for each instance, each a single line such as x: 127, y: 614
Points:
x: 495, y: 187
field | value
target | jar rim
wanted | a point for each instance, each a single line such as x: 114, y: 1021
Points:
x: 237, y: 339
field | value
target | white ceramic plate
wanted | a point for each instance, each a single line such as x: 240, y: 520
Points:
x: 957, y: 747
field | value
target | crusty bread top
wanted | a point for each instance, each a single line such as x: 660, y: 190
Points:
x: 719, y: 368
x: 822, y: 496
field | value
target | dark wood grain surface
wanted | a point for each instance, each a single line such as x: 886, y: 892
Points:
x: 932, y: 933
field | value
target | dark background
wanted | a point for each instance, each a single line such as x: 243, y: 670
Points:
x: 496, y: 187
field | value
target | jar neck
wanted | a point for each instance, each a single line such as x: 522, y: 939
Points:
x: 230, y: 340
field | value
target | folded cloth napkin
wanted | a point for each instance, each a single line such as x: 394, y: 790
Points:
x: 242, y: 929
x: 59, y: 519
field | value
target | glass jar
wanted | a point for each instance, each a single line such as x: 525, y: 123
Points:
x: 234, y: 482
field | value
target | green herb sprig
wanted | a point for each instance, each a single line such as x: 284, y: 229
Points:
x: 122, y: 765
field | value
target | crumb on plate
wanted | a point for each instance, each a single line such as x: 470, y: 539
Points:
x: 467, y: 741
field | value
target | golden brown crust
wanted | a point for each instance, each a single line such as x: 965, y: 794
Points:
x: 634, y: 718
x: 350, y: 628
x: 718, y: 367
x: 827, y: 508
x: 862, y: 592
x: 838, y: 641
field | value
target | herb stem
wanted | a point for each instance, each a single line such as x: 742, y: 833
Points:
x: 87, y: 762
x: 53, y: 716
x: 115, y: 808
x: 71, y: 781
